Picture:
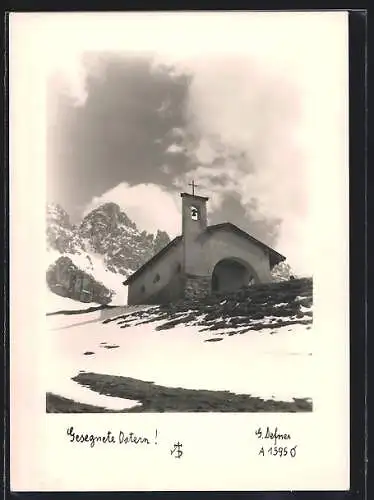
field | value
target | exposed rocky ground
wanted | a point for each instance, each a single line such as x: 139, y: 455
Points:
x: 252, y: 308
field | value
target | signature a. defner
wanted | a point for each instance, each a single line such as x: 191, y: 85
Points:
x: 273, y: 435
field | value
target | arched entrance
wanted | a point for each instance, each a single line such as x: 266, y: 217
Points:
x: 230, y: 275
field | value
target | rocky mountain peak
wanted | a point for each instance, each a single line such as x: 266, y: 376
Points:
x: 106, y: 244
x: 109, y: 210
x: 105, y: 219
x: 56, y: 214
x: 161, y: 240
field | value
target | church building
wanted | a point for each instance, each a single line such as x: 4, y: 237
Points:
x: 202, y: 260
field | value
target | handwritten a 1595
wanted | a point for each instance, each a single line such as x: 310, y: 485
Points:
x: 278, y: 443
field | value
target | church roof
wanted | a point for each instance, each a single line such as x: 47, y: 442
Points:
x: 274, y: 256
x: 164, y: 250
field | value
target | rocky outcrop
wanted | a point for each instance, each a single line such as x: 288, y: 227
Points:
x: 282, y: 272
x: 66, y: 279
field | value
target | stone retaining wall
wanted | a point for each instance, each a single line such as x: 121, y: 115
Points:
x: 197, y: 287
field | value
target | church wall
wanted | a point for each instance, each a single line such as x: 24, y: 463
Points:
x: 161, y: 280
x: 169, y: 292
x: 204, y: 254
x: 225, y: 244
x: 197, y: 258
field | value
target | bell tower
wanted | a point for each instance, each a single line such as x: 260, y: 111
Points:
x: 194, y: 216
x: 194, y: 224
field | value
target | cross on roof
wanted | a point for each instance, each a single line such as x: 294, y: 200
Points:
x: 193, y: 186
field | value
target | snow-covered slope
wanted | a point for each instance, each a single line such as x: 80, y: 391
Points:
x: 56, y: 303
x: 265, y: 352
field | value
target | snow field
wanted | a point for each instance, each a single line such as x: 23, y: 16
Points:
x: 275, y: 365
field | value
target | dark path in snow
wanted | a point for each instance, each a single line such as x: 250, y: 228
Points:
x: 157, y: 398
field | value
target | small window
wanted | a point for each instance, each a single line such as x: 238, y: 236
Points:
x: 156, y: 278
x: 179, y: 267
x: 142, y: 288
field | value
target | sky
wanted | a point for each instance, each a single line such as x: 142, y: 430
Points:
x: 250, y: 106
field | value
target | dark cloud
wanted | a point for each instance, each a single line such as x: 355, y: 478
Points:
x: 233, y: 211
x: 219, y: 180
x: 119, y: 134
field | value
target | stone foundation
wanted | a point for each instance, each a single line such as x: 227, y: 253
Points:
x: 197, y: 287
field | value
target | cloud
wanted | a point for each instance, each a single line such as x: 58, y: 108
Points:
x: 175, y: 149
x: 264, y: 100
x: 259, y: 122
x: 148, y: 205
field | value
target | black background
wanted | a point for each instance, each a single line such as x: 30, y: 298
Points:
x: 359, y: 190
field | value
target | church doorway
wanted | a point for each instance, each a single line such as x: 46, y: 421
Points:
x: 230, y: 275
